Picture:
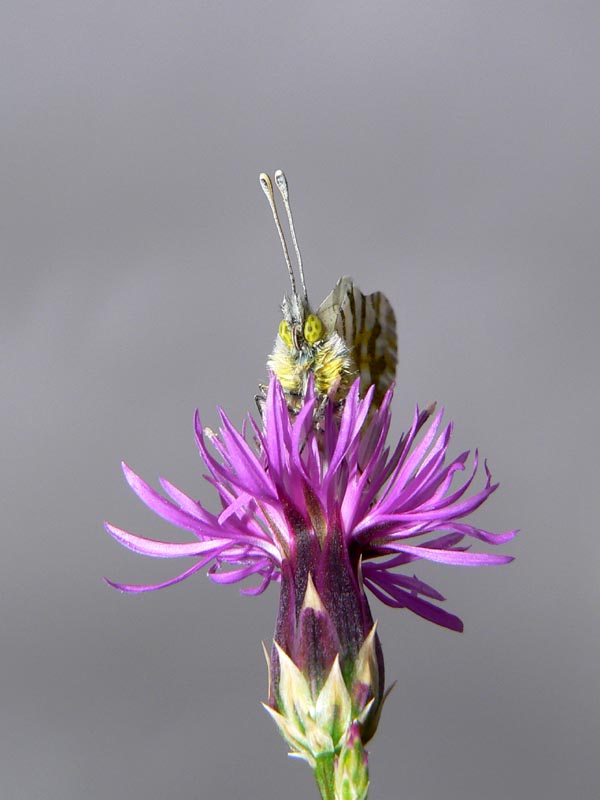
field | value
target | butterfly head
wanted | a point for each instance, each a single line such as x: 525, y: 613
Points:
x: 349, y: 336
x: 300, y: 328
x: 305, y: 345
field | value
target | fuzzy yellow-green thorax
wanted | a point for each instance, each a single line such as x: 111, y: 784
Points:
x: 302, y: 349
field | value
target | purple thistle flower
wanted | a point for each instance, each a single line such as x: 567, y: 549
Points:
x: 326, y: 510
x: 294, y: 478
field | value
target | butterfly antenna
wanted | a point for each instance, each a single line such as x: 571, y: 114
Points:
x: 267, y: 188
x: 282, y: 185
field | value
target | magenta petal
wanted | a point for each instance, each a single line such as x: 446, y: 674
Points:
x: 186, y: 503
x: 159, y: 504
x: 299, y: 435
x: 254, y: 591
x: 418, y: 454
x: 418, y: 606
x: 350, y: 426
x: 455, y: 557
x: 385, y: 578
x: 136, y: 588
x: 485, y: 536
x: 447, y: 541
x: 235, y: 575
x: 158, y: 549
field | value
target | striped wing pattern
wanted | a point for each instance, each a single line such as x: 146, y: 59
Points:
x: 367, y: 324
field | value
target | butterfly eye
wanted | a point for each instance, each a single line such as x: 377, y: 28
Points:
x: 285, y: 333
x: 313, y: 329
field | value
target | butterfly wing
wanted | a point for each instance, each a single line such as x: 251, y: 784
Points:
x: 367, y: 324
x: 329, y: 309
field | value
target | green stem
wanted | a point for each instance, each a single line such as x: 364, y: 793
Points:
x: 324, y: 776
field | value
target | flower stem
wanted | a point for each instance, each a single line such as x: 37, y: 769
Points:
x: 324, y: 776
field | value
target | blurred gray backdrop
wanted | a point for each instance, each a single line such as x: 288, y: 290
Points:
x: 444, y: 152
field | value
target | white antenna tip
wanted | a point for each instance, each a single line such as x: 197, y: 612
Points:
x: 265, y: 183
x: 282, y: 183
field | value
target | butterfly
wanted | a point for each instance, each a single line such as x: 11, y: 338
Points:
x: 350, y: 335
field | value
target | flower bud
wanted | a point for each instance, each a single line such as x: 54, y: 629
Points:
x: 351, y: 776
x: 326, y: 669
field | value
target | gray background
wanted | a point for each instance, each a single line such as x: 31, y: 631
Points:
x: 447, y: 153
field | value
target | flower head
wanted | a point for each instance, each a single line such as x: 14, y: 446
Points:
x: 390, y: 508
x: 326, y: 511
